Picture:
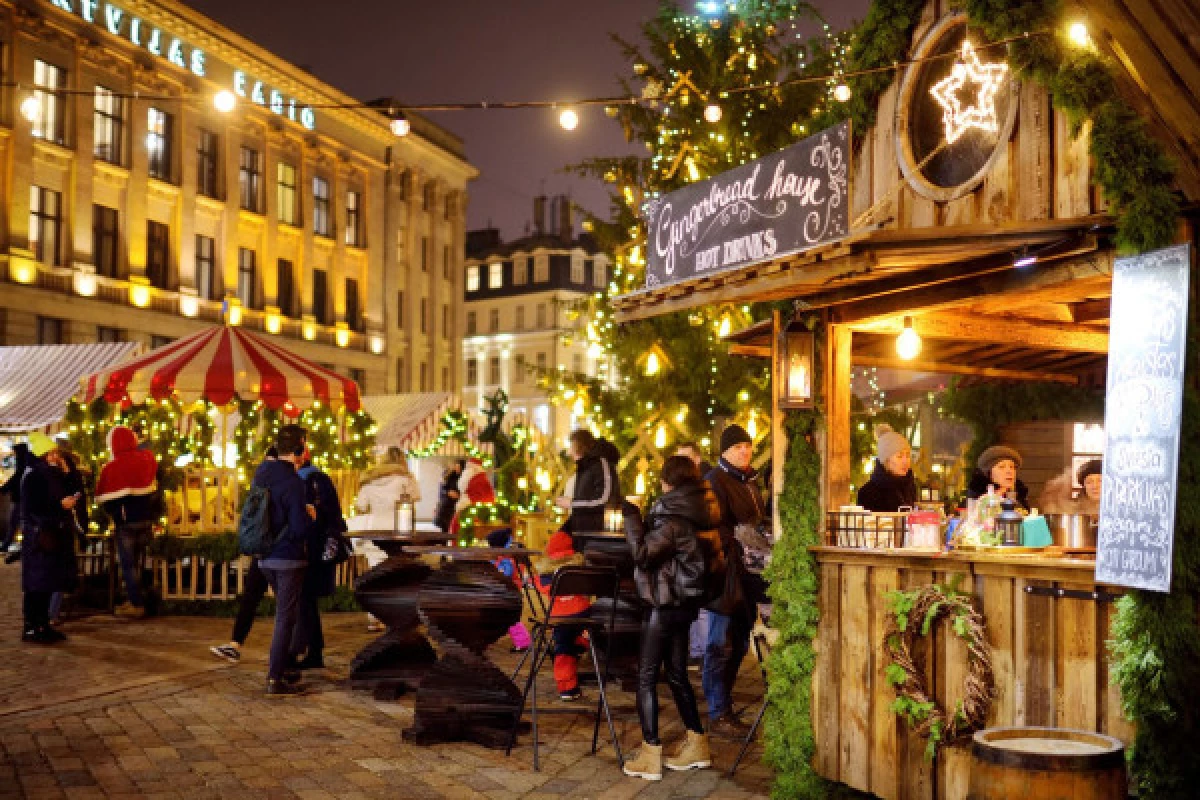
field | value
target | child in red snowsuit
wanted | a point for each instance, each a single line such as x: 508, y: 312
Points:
x: 518, y: 633
x: 560, y: 552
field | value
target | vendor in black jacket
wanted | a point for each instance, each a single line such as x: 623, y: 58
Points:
x: 669, y: 571
x: 997, y: 466
x: 732, y: 615
x: 596, y: 483
x: 892, y: 484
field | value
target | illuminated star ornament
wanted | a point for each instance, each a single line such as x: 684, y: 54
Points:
x: 981, y: 114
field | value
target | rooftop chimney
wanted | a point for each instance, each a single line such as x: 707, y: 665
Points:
x: 539, y: 215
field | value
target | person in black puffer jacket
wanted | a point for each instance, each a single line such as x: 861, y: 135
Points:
x: 669, y: 574
x: 448, y: 495
x: 48, y: 550
x: 892, y: 484
x: 597, y: 486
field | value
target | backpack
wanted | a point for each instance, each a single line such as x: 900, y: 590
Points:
x: 256, y: 537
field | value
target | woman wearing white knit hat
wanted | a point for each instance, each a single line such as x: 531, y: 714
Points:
x: 892, y: 484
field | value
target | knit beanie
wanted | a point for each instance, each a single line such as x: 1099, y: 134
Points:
x: 889, y: 442
x: 995, y: 454
x: 1091, y: 467
x: 734, y: 434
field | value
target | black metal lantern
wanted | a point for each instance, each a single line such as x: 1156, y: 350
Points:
x: 405, y: 519
x: 794, y: 368
x: 1008, y: 524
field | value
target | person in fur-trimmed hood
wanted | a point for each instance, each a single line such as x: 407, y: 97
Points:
x: 127, y: 490
x: 560, y: 552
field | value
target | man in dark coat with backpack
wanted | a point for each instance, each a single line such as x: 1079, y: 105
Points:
x: 280, y: 538
x: 327, y: 547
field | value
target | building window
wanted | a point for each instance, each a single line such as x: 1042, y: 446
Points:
x: 445, y: 321
x: 541, y: 268
x: 520, y: 271
x: 354, y: 237
x: 206, y: 163
x: 400, y: 309
x: 247, y: 278
x: 45, y: 225
x: 445, y: 378
x: 206, y: 267
x: 400, y: 376
x: 494, y: 320
x: 359, y: 376
x: 599, y: 273
x: 321, y: 224
x: 541, y: 316
x: 496, y: 275
x: 520, y: 318
x: 424, y: 315
x: 541, y: 362
x: 424, y: 254
x: 285, y: 194
x: 427, y: 196
x: 49, y: 330
x: 473, y: 279
x: 158, y: 143
x: 446, y: 261
x: 353, y: 307
x: 104, y: 240
x: 519, y: 370
x: 106, y: 334
x: 577, y: 363
x: 50, y: 83
x: 447, y: 207
x: 494, y: 371
x: 472, y: 372
x: 285, y: 289
x: 108, y: 124
x: 424, y: 377
x: 470, y: 323
x: 576, y: 268
x: 158, y: 253
x: 321, y: 296
x: 250, y: 167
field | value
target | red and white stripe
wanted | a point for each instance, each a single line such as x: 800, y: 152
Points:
x: 219, y: 364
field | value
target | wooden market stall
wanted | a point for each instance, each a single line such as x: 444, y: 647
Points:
x: 1000, y: 255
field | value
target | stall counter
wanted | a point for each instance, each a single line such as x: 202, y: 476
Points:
x: 1048, y: 654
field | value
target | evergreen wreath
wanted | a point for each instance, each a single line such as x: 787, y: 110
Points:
x: 914, y: 613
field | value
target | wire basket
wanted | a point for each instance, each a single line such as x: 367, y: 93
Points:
x: 865, y: 530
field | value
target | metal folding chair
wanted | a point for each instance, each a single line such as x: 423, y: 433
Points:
x: 762, y: 648
x: 536, y: 604
x: 589, y: 582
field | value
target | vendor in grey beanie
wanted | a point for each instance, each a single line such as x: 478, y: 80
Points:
x: 997, y: 466
x: 892, y: 485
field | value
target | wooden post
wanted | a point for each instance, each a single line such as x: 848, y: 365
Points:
x: 779, y: 443
x: 836, y: 464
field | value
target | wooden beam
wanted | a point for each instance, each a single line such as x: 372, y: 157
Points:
x: 750, y: 350
x: 997, y: 330
x: 837, y: 405
x: 1090, y: 310
x: 963, y: 369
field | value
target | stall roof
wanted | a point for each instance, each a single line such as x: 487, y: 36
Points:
x: 408, y: 421
x: 37, y: 381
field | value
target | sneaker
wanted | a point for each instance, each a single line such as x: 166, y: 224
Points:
x: 693, y: 753
x: 282, y: 688
x: 570, y: 695
x: 647, y: 764
x: 727, y: 726
x: 226, y: 651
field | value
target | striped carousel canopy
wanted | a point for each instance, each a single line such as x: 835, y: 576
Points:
x: 219, y: 364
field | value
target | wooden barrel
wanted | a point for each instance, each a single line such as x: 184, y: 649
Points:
x: 1046, y: 764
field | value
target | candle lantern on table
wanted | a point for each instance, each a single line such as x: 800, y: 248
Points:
x: 405, y: 520
x: 794, y: 369
x: 614, y: 521
x: 1008, y: 524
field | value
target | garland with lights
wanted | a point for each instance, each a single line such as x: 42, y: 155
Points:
x: 454, y: 427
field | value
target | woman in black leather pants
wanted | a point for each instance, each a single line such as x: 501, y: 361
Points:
x: 670, y: 569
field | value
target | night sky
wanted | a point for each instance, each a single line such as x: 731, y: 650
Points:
x: 469, y: 50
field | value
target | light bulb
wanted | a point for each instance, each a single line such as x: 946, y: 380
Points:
x: 842, y: 93
x: 652, y: 365
x: 400, y: 125
x: 1077, y: 32
x: 31, y: 109
x: 568, y: 119
x: 908, y: 343
x: 712, y: 113
x: 224, y: 101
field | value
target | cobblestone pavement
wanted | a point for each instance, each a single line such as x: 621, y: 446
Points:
x: 140, y: 709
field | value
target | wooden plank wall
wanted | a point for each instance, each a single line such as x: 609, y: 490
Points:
x: 1045, y: 449
x: 1048, y: 653
x: 1044, y: 172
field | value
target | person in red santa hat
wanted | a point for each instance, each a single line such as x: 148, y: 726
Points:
x: 475, y: 490
x: 127, y: 490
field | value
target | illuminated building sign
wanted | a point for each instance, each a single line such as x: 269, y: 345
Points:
x: 259, y: 94
x: 121, y: 23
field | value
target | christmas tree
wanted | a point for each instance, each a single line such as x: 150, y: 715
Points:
x: 718, y: 88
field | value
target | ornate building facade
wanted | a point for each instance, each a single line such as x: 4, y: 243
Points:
x: 136, y: 210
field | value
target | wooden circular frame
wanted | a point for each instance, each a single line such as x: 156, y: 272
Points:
x: 904, y: 155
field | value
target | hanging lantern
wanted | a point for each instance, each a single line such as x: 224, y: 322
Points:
x: 794, y: 365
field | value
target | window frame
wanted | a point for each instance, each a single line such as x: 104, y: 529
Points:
x: 496, y: 275
x: 287, y: 205
x: 354, y: 316
x: 250, y: 179
x: 541, y: 268
x: 110, y: 120
x: 493, y: 320
x: 520, y: 324
x: 520, y: 270
x: 158, y: 254
x: 42, y: 221
x: 208, y: 155
x: 472, y: 323
x: 247, y: 284
x: 353, y: 236
x: 51, y: 122
x: 400, y: 308
x: 206, y: 261
x: 320, y: 280
x: 472, y: 372
x: 578, y: 273
x: 159, y: 159
x: 285, y: 288
x: 322, y: 224
x: 472, y: 281
x: 106, y: 240
x: 495, y: 378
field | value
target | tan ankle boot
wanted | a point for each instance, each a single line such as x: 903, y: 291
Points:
x: 693, y: 753
x: 647, y: 764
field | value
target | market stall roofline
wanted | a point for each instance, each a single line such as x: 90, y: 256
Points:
x: 861, y: 258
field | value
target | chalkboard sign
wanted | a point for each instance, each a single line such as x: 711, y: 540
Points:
x: 1143, y: 411
x: 782, y: 203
